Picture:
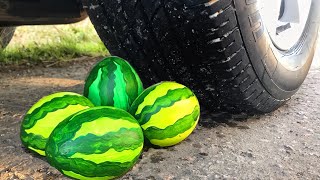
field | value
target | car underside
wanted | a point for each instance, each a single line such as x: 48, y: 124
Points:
x: 35, y: 12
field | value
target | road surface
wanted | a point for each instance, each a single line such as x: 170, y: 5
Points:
x: 281, y: 145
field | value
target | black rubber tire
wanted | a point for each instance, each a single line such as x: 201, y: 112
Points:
x: 6, y: 35
x: 218, y: 48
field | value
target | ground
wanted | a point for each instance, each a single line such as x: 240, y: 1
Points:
x: 283, y: 144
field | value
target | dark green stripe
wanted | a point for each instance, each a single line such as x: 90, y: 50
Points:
x: 92, y: 76
x: 93, y: 73
x: 71, y: 125
x: 124, y: 139
x: 134, y: 85
x: 94, y: 90
x: 139, y: 84
x: 91, y: 169
x: 167, y: 100
x: 107, y: 84
x: 33, y: 140
x: 140, y: 99
x: 177, y: 128
x: 120, y: 98
x: 54, y: 105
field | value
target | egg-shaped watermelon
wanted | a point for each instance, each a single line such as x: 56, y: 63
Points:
x: 46, y: 114
x: 96, y: 143
x: 113, y: 82
x: 168, y: 112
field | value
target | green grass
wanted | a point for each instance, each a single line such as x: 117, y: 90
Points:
x: 37, y: 44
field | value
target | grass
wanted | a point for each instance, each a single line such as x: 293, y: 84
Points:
x: 38, y: 44
x: 49, y: 44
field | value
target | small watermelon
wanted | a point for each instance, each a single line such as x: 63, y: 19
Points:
x: 97, y: 143
x: 168, y: 112
x: 46, y: 114
x: 113, y: 82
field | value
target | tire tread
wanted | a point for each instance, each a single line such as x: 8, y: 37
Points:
x: 186, y: 41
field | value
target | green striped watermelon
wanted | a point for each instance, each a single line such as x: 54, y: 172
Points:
x: 97, y: 143
x: 168, y: 112
x: 113, y: 82
x: 46, y: 114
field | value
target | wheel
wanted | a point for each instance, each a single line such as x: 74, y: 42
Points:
x: 6, y: 35
x: 238, y: 56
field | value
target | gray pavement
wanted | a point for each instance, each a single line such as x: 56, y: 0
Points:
x: 282, y: 145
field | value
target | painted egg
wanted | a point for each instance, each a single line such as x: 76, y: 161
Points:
x: 46, y: 114
x: 97, y: 143
x: 113, y: 82
x: 168, y: 112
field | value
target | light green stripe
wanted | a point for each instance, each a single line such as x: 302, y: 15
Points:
x: 180, y: 126
x: 161, y: 90
x: 111, y: 156
x: 170, y: 115
x: 79, y: 176
x: 41, y: 152
x: 165, y: 101
x: 120, y: 97
x: 94, y: 90
x: 102, y: 126
x: 174, y: 140
x: 45, y: 126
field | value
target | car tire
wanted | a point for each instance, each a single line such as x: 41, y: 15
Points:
x: 219, y: 48
x: 6, y: 35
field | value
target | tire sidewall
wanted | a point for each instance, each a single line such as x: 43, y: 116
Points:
x: 278, y: 79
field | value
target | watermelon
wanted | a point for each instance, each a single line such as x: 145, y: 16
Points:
x: 113, y: 82
x: 46, y: 114
x: 168, y: 112
x: 97, y: 143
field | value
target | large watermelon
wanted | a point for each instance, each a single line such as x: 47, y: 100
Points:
x: 168, y: 112
x: 46, y: 114
x: 96, y: 143
x: 113, y: 82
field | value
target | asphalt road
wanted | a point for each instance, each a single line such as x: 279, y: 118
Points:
x: 281, y: 145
